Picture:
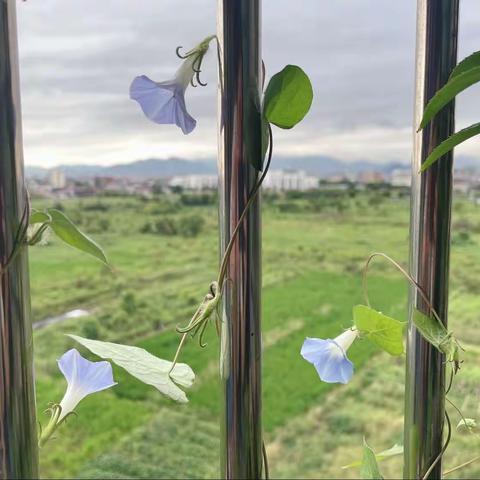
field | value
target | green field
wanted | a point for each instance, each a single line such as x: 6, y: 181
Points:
x: 164, y: 257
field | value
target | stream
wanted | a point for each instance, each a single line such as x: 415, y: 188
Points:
x: 77, y: 313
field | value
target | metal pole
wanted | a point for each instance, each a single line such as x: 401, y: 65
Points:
x: 18, y: 431
x: 239, y: 144
x: 437, y: 27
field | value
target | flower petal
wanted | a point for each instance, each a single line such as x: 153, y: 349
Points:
x: 329, y: 359
x: 182, y: 118
x: 313, y: 348
x: 151, y: 96
x: 334, y: 370
x: 83, y: 378
x: 163, y: 103
x: 90, y: 376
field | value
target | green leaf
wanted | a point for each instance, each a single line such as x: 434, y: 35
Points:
x: 67, y: 231
x: 288, y: 97
x: 467, y: 423
x: 369, y: 468
x: 435, y: 333
x: 391, y: 452
x: 472, y: 61
x: 386, y: 332
x: 448, y: 92
x: 39, y: 217
x: 450, y: 143
x: 431, y: 329
x: 144, y: 366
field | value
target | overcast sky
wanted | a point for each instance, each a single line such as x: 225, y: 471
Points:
x: 77, y: 60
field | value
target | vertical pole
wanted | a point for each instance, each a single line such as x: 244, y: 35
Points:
x: 437, y: 27
x: 18, y: 432
x: 239, y: 146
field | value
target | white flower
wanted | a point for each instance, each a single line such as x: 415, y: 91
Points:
x: 83, y: 378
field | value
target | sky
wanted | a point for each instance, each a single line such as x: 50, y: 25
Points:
x: 78, y: 58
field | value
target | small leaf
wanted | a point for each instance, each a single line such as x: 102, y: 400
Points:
x: 468, y: 423
x: 435, y: 333
x: 448, y: 92
x: 466, y: 64
x: 144, y: 366
x: 288, y: 97
x: 450, y: 143
x: 431, y: 329
x: 391, y: 452
x: 39, y: 217
x: 386, y: 332
x: 67, y: 231
x: 369, y: 468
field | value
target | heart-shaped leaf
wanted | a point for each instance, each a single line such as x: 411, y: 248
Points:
x: 288, y: 97
x: 144, y: 366
x: 436, y: 333
x: 386, y: 332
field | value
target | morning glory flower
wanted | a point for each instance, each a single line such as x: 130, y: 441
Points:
x: 83, y: 378
x: 164, y: 102
x: 329, y: 357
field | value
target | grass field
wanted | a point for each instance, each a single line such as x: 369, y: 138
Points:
x: 164, y: 258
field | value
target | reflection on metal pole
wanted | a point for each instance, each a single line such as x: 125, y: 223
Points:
x: 239, y: 144
x: 18, y: 432
x: 437, y: 27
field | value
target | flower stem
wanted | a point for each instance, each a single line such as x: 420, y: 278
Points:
x: 466, y: 464
x: 404, y: 273
x: 51, y: 427
x: 251, y: 199
x: 228, y: 250
x: 177, y: 353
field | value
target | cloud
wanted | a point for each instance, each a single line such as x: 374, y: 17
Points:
x: 78, y: 59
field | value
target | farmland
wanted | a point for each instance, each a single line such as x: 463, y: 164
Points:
x: 164, y: 253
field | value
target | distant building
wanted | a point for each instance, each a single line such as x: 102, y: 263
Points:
x: 369, y: 178
x: 284, y: 180
x: 57, y: 178
x: 465, y: 181
x: 401, y: 178
x: 195, y: 182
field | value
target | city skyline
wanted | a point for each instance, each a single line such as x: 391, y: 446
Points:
x: 76, y: 70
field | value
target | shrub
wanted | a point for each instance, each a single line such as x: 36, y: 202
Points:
x: 166, y: 226
x: 191, y: 226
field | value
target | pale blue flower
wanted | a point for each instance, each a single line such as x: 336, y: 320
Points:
x: 83, y: 378
x: 164, y: 102
x: 329, y: 357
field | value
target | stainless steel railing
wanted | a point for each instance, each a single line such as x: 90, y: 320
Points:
x: 239, y: 143
x: 437, y: 27
x: 18, y: 430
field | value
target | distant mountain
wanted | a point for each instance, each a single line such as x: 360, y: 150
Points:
x: 161, y: 168
x: 324, y: 166
x: 35, y: 172
x: 150, y: 168
x: 321, y: 166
